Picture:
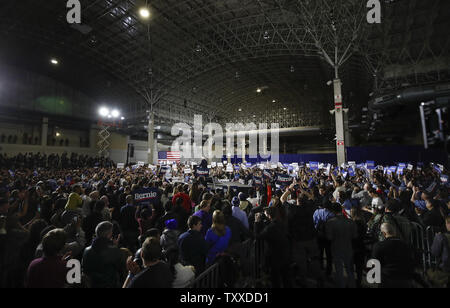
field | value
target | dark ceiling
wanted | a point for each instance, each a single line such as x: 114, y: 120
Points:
x: 211, y: 56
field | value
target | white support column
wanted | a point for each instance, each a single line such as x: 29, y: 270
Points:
x: 44, y: 132
x: 243, y: 150
x: 151, y: 138
x: 339, y: 115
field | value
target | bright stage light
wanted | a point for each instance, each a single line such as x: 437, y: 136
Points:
x: 115, y: 113
x: 144, y: 12
x: 103, y: 111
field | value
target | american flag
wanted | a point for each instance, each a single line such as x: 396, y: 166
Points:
x: 173, y: 156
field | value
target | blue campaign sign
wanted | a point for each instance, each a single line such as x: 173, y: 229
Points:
x: 313, y: 165
x: 370, y: 164
x: 237, y: 167
x: 351, y: 172
x: 164, y: 169
x: 146, y: 196
x: 267, y: 174
x: 257, y: 180
x: 391, y: 170
x: 402, y: 165
x: 284, y: 179
x: 444, y: 179
x: 202, y: 172
x: 436, y: 167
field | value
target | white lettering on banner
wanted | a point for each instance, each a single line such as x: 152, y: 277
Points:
x: 145, y: 196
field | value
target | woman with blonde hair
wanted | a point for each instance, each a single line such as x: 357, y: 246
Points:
x: 217, y: 237
x: 204, y: 214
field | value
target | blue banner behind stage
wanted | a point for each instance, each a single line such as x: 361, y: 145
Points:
x: 383, y: 155
x: 392, y: 155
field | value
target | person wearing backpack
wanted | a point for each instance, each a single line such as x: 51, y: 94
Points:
x: 440, y: 249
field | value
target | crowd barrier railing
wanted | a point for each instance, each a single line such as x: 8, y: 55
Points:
x: 422, y: 241
x: 251, y: 261
x: 419, y: 244
x: 209, y: 279
x: 430, y: 234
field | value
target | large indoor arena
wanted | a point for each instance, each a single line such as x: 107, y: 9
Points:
x: 230, y: 148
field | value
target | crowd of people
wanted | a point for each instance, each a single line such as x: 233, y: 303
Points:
x: 161, y: 227
x: 52, y: 161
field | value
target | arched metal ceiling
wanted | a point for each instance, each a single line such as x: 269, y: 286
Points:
x: 211, y: 56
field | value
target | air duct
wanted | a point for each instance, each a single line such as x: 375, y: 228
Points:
x: 409, y: 96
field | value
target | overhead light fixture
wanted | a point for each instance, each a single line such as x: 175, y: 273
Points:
x: 122, y: 118
x: 103, y: 111
x: 284, y: 108
x: 58, y: 134
x: 266, y: 35
x: 292, y: 69
x: 198, y: 48
x: 54, y: 61
x: 240, y: 110
x: 274, y: 101
x: 115, y: 113
x: 258, y: 90
x: 144, y: 12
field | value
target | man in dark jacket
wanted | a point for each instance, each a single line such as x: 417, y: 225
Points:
x: 129, y: 224
x: 433, y: 217
x: 341, y: 232
x: 275, y: 236
x: 102, y: 261
x: 192, y: 245
x: 441, y: 248
x: 238, y: 231
x: 397, y: 265
x: 304, y: 237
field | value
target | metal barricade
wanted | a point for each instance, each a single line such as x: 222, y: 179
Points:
x: 209, y: 279
x: 419, y: 244
x: 248, y: 261
x: 430, y: 234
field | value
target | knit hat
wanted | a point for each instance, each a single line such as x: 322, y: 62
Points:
x: 171, y: 224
